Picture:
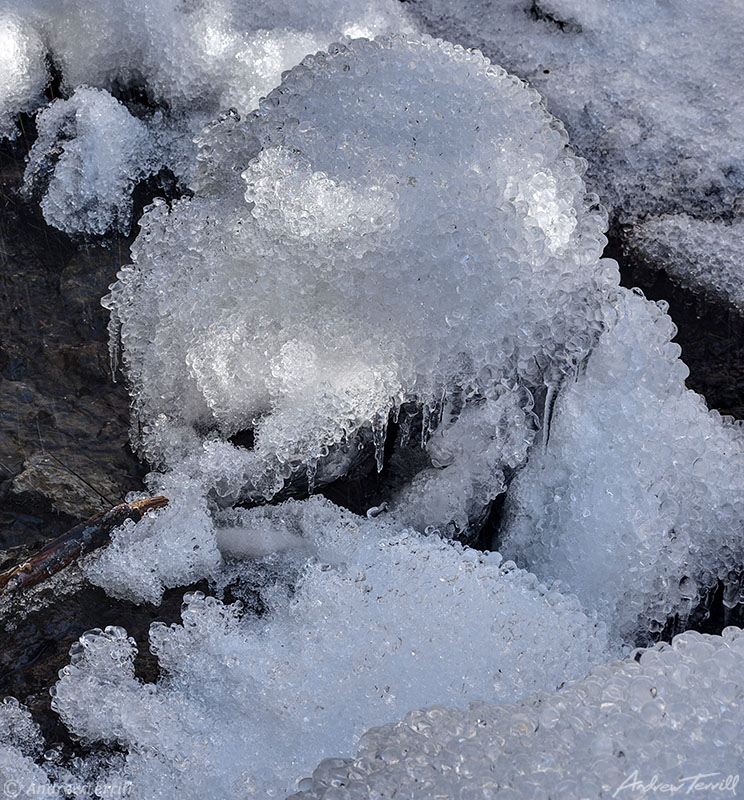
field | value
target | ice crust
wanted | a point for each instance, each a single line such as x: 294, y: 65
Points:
x: 410, y: 226
x: 702, y: 254
x: 673, y: 711
x: 381, y: 620
x: 188, y: 60
x: 651, y: 96
x: 89, y: 155
x: 635, y: 502
x: 23, y: 72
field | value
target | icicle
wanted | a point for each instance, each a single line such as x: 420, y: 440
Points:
x: 312, y: 469
x: 379, y: 433
x: 548, y: 414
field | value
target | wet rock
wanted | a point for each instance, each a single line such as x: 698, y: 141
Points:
x: 64, y: 451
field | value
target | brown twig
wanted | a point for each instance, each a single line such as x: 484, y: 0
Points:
x: 78, y: 541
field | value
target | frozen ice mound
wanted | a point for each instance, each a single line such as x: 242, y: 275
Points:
x: 177, y: 63
x: 381, y: 620
x: 705, y: 255
x: 89, y: 155
x: 218, y: 54
x: 23, y: 71
x: 176, y: 546
x: 650, y: 94
x: 410, y: 226
x: 671, y: 715
x: 635, y: 503
x: 21, y: 745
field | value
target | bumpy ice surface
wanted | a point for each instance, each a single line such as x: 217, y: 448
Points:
x: 380, y: 620
x: 702, y: 254
x: 635, y: 501
x: 671, y: 716
x: 651, y: 95
x: 23, y: 72
x: 190, y: 60
x: 409, y: 226
x: 89, y: 155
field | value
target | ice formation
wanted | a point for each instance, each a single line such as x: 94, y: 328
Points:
x: 635, y: 503
x: 410, y: 225
x: 669, y: 717
x: 702, y: 254
x: 89, y: 155
x: 23, y: 72
x: 21, y: 746
x: 381, y: 620
x: 188, y: 60
x: 650, y: 93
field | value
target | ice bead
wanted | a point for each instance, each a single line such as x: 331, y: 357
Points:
x: 651, y: 96
x: 89, y: 155
x: 701, y: 254
x: 176, y: 64
x: 381, y: 620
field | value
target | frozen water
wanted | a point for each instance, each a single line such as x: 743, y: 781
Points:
x: 23, y: 72
x: 21, y: 745
x: 89, y: 155
x: 671, y: 716
x: 190, y: 60
x: 468, y: 454
x: 635, y: 503
x: 173, y: 547
x: 381, y: 620
x: 410, y: 225
x: 650, y: 93
x: 702, y: 254
x: 217, y: 54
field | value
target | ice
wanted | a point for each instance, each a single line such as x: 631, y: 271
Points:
x: 635, y: 502
x: 21, y: 744
x: 650, y: 94
x: 89, y: 155
x: 669, y: 717
x: 173, y: 547
x: 381, y: 620
x: 702, y: 254
x: 176, y: 64
x: 23, y: 72
x: 410, y: 226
